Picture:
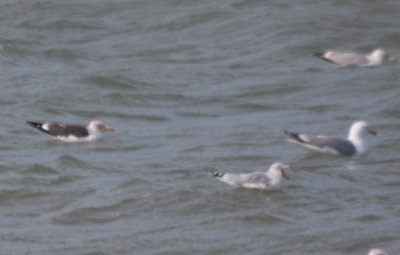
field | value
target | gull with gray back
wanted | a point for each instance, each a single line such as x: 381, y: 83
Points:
x: 343, y: 59
x: 353, y: 145
x: 256, y: 180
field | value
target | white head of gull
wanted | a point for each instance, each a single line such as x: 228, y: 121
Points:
x: 256, y: 180
x: 357, y: 133
x: 377, y: 252
x: 378, y: 57
x: 95, y: 127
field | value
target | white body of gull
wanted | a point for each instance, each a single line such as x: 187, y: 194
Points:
x: 256, y: 180
x: 377, y: 252
x: 355, y: 143
x: 72, y: 133
x: 342, y: 59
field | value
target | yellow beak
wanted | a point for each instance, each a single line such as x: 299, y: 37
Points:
x: 392, y: 59
x: 109, y: 129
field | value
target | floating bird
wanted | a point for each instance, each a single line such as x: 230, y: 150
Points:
x: 256, y: 180
x: 377, y: 252
x: 342, y: 59
x: 355, y: 143
x: 72, y: 133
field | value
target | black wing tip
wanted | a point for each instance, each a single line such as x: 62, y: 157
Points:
x: 291, y: 134
x: 38, y: 126
x: 294, y: 136
x: 34, y: 124
x: 216, y: 174
x: 318, y: 54
x: 321, y: 55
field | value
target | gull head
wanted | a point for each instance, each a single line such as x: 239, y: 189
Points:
x: 96, y: 126
x: 377, y: 252
x: 360, y: 129
x: 378, y: 56
x: 379, y: 53
x: 277, y: 170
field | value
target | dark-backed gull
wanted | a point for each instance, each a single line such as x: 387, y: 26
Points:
x: 72, y: 133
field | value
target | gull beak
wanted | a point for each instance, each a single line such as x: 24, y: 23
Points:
x: 372, y: 132
x: 283, y: 171
x: 391, y: 59
x: 111, y: 129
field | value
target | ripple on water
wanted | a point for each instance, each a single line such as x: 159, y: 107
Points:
x: 11, y: 196
x: 249, y: 107
x: 88, y: 216
x: 67, y: 161
x: 368, y: 218
x: 63, y: 54
x: 39, y: 169
x: 114, y: 82
x: 263, y: 219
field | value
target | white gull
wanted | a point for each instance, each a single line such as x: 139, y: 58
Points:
x: 255, y: 180
x: 343, y: 59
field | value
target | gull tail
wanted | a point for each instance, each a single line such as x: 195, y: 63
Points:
x: 318, y: 54
x: 37, y: 125
x: 294, y: 136
x: 321, y: 55
x: 216, y: 174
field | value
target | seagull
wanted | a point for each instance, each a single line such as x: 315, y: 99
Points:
x: 354, y: 144
x: 256, y: 180
x: 342, y: 59
x: 377, y: 252
x: 72, y: 133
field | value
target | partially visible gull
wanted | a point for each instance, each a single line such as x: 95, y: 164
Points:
x: 256, y: 180
x: 355, y: 143
x: 342, y: 59
x: 377, y: 252
x: 72, y: 133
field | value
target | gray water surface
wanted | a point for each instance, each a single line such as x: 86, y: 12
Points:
x: 193, y: 86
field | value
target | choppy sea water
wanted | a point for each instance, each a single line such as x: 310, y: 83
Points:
x: 192, y: 86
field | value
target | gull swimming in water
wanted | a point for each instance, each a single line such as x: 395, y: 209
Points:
x: 377, y: 252
x: 354, y: 144
x: 72, y: 133
x: 342, y: 59
x: 256, y: 180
